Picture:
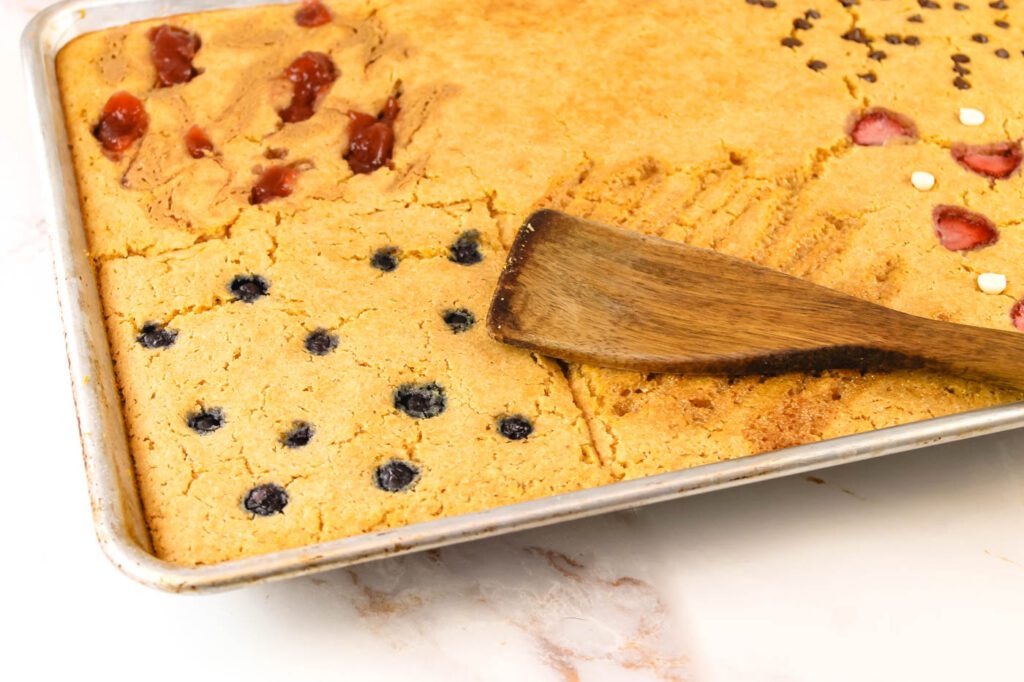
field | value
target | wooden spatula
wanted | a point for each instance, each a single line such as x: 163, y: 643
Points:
x: 586, y: 292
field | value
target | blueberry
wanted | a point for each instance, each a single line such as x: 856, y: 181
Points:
x: 466, y: 249
x: 421, y: 401
x: 299, y: 435
x: 515, y: 427
x: 248, y: 288
x: 395, y: 476
x: 385, y: 259
x: 206, y: 420
x: 459, y: 319
x: 321, y: 342
x: 266, y: 500
x: 154, y: 335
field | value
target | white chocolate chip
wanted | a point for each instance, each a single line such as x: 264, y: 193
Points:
x: 992, y: 283
x: 971, y: 117
x: 923, y: 180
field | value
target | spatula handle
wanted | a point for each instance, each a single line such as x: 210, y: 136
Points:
x: 976, y: 351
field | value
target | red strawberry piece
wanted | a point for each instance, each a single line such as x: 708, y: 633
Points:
x: 312, y: 13
x: 371, y: 138
x: 996, y: 161
x: 172, y: 52
x: 274, y: 182
x: 875, y: 127
x: 311, y: 74
x: 1017, y: 314
x: 123, y: 121
x: 197, y: 143
x: 961, y: 230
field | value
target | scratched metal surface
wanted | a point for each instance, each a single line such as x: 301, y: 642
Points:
x: 117, y: 512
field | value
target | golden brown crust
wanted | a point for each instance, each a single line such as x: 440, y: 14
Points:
x: 686, y: 120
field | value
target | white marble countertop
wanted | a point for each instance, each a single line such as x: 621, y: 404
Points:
x: 905, y: 568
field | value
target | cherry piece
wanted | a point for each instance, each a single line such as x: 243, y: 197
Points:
x: 172, y: 52
x: 197, y: 143
x: 311, y: 75
x: 312, y: 14
x: 996, y: 161
x: 274, y: 183
x: 1017, y: 314
x: 961, y: 230
x: 371, y: 140
x: 123, y: 121
x: 877, y: 126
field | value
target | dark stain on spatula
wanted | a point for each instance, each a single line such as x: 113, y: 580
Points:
x: 585, y: 292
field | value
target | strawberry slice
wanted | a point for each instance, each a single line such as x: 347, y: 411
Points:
x: 198, y: 143
x: 274, y: 183
x: 997, y: 161
x: 123, y: 121
x: 1017, y: 314
x: 875, y: 127
x: 312, y: 13
x: 961, y: 230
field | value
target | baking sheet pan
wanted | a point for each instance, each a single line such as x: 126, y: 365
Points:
x: 117, y: 511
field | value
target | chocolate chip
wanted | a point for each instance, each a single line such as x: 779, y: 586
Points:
x: 248, y: 288
x: 790, y: 41
x: 321, y: 342
x: 856, y: 35
x: 206, y: 420
x: 893, y: 39
x: 877, y: 55
x: 154, y: 335
x: 960, y: 58
x: 960, y: 7
x: 395, y: 476
x: 913, y: 41
x: 928, y: 4
x: 515, y: 427
x: 768, y: 4
x: 1002, y: 54
x: 802, y: 24
x: 870, y: 77
x: 998, y: 4
x: 916, y: 18
x: 459, y: 319
x: 817, y: 65
x: 266, y: 500
x: 961, y: 84
x: 1002, y: 24
x: 466, y: 249
x: 420, y: 401
x: 299, y: 435
x: 848, y: 3
x: 812, y: 14
x: 276, y: 153
x: 385, y: 258
x: 961, y: 69
x: 979, y: 38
